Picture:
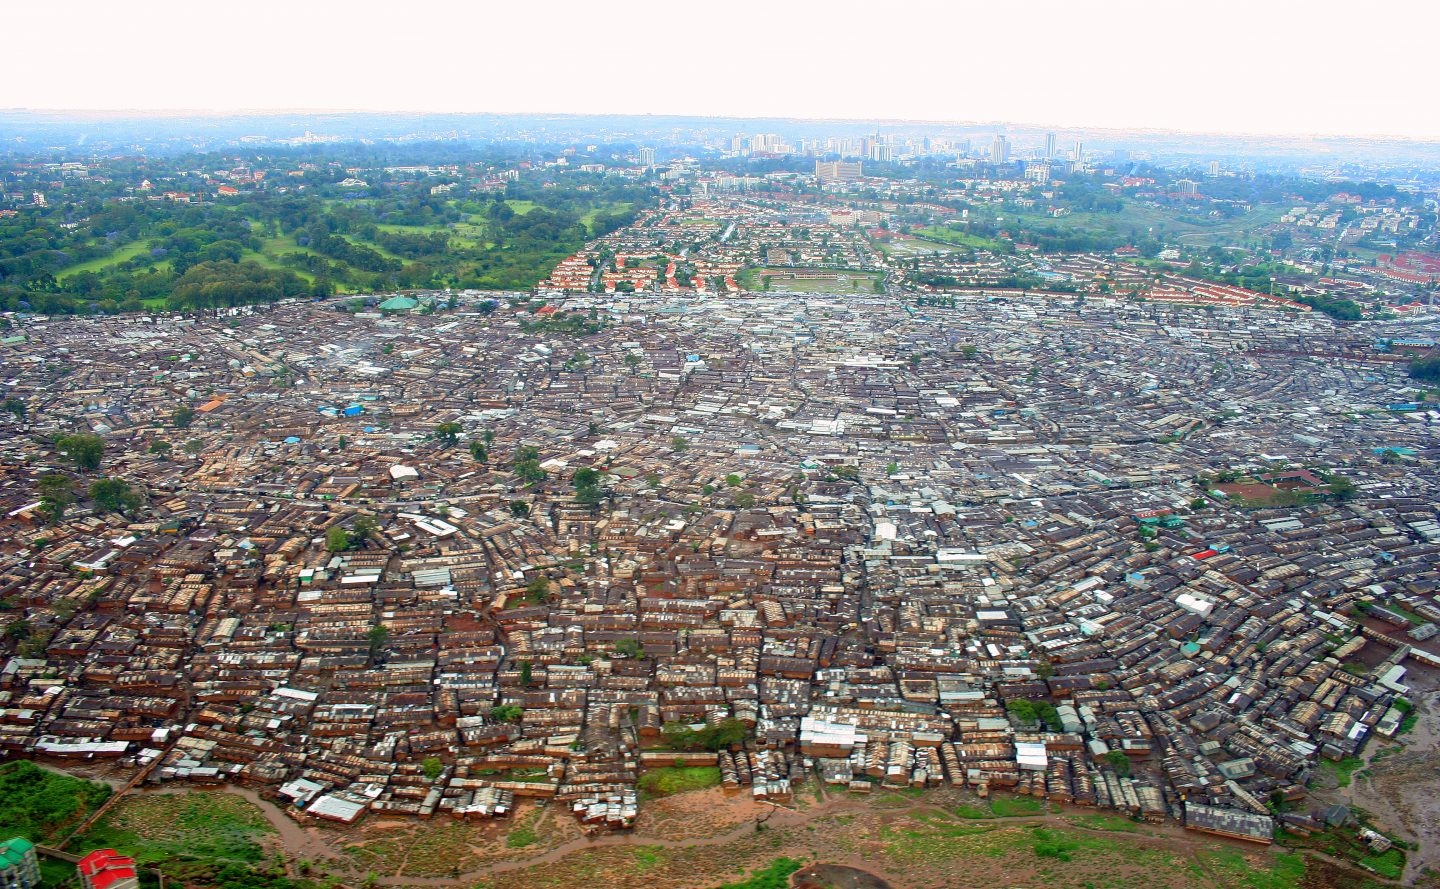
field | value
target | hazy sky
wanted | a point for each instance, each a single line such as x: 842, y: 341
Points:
x: 1259, y: 66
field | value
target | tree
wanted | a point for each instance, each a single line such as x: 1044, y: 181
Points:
x: 1022, y: 710
x: 1342, y: 488
x: 630, y: 648
x: 337, y: 539
x: 1119, y: 761
x: 744, y: 499
x: 721, y: 736
x: 182, y: 417
x: 433, y: 767
x: 115, y: 495
x: 733, y: 480
x: 678, y: 443
x: 632, y: 361
x: 588, y: 489
x: 1426, y: 369
x: 508, y: 712
x: 479, y: 452
x: 362, y: 528
x: 527, y: 675
x: 537, y: 591
x: 160, y: 447
x: 527, y: 464
x: 519, y: 509
x: 449, y: 432
x: 84, y: 449
x: 377, y: 637
x: 57, y: 492
x: 14, y: 406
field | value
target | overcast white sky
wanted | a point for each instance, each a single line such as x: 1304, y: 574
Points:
x: 1258, y: 66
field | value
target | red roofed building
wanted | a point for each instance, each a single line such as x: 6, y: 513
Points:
x: 108, y: 869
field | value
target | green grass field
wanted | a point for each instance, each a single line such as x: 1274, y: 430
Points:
x: 946, y: 235
x: 618, y: 207
x: 161, y: 827
x: 816, y: 281
x: 412, y: 229
x: 1003, y: 807
x: 678, y: 779
x: 1343, y: 769
x: 775, y: 875
x: 916, y: 247
x: 120, y: 254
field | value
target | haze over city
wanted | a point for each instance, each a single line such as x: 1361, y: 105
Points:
x: 1229, y: 66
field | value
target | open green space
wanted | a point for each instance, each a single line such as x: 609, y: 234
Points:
x: 1134, y: 221
x: 248, y: 248
x: 524, y: 833
x: 55, y: 873
x: 588, y: 218
x: 809, y: 280
x: 199, y: 838
x: 678, y: 779
x: 1004, y: 807
x: 1231, y: 867
x: 1344, y: 769
x: 1345, y: 844
x: 1080, y: 857
x: 396, y: 228
x: 44, y: 806
x: 161, y: 827
x: 775, y: 875
x: 1103, y: 822
x: 121, y: 254
x: 915, y: 247
x: 268, y: 261
x: 956, y: 237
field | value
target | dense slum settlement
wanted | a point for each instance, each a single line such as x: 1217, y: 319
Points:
x: 447, y: 552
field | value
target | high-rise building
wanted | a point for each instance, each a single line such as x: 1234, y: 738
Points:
x: 1000, y: 149
x: 1214, y: 168
x: 1079, y: 154
x: 19, y: 868
x: 1049, y: 146
x: 1187, y: 186
x: 837, y: 171
x: 647, y: 157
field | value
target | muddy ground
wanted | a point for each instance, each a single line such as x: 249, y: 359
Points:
x: 1400, y: 785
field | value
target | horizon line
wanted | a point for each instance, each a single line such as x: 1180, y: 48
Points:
x: 1001, y: 124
